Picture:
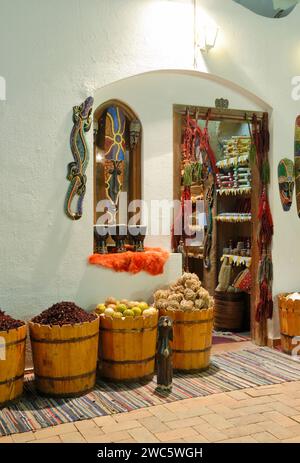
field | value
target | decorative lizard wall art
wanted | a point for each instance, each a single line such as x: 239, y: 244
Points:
x: 76, y: 170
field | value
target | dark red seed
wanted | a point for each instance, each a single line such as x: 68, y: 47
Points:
x: 64, y: 313
x: 8, y: 323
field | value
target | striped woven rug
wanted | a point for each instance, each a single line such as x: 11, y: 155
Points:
x: 229, y: 371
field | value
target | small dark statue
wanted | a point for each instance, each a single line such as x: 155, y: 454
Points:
x: 164, y: 354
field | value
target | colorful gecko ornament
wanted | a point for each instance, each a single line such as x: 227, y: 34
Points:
x: 76, y: 169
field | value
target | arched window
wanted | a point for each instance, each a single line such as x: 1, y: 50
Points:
x: 117, y: 159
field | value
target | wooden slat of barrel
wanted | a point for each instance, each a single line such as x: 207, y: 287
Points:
x: 127, y: 347
x: 289, y: 316
x: 192, y: 338
x: 229, y: 311
x: 65, y: 357
x: 12, y: 363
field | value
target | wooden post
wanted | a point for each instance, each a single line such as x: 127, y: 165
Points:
x: 259, y: 334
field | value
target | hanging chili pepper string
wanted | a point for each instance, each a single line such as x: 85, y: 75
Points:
x: 261, y: 140
x: 266, y: 222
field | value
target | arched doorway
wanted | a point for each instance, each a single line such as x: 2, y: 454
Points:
x: 153, y: 96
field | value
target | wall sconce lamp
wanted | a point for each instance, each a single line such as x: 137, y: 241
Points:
x: 207, y: 37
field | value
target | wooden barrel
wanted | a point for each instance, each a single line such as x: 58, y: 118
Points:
x: 229, y: 311
x: 65, y: 357
x: 12, y: 363
x: 289, y: 316
x: 127, y: 347
x: 192, y: 338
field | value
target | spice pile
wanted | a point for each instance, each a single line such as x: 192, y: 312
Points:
x: 9, y: 323
x: 186, y: 294
x: 64, y: 313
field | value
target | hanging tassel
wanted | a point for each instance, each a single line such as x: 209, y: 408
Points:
x: 197, y: 171
x: 266, y: 222
x: 265, y: 277
x: 264, y: 308
x: 265, y: 172
x: 188, y: 175
x: 263, y: 301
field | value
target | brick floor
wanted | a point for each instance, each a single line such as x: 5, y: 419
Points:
x: 259, y: 414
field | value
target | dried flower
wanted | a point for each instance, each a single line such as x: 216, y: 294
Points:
x: 199, y: 304
x: 174, y: 305
x: 193, y: 285
x: 161, y: 304
x: 186, y: 305
x: 161, y: 294
x: 189, y: 276
x: 176, y: 297
x: 189, y: 295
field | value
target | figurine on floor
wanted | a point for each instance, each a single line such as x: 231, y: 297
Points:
x: 164, y: 354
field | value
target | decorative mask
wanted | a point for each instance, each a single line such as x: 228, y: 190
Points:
x: 135, y: 132
x: 297, y: 162
x: 286, y: 180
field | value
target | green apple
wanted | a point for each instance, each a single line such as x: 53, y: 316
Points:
x: 100, y: 308
x: 128, y: 313
x: 117, y: 315
x: 109, y: 311
x: 143, y: 305
x: 137, y: 311
x: 121, y: 308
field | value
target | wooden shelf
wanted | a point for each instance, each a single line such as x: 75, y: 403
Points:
x: 234, y: 218
x: 235, y: 161
x: 234, y: 191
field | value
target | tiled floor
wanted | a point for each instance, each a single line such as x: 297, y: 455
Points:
x: 260, y: 414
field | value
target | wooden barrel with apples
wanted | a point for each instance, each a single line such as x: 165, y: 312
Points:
x: 127, y: 347
x: 192, y: 338
x: 12, y: 363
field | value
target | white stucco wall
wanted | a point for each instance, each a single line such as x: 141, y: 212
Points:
x: 54, y: 54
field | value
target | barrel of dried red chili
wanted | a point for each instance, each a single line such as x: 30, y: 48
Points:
x: 12, y: 357
x: 64, y: 343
